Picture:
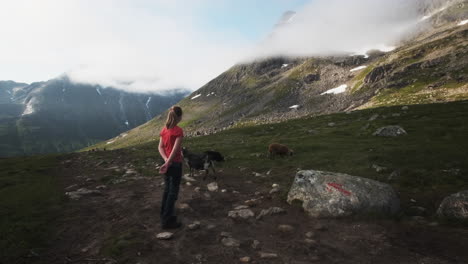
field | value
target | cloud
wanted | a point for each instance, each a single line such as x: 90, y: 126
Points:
x: 159, y: 45
x: 329, y: 27
x: 137, y: 45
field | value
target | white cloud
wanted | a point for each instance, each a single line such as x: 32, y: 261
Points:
x: 328, y: 27
x: 157, y: 45
x: 127, y: 44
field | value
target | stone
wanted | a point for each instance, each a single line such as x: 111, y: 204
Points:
x: 405, y: 108
x: 183, y: 206
x: 454, y: 206
x: 275, y: 185
x: 223, y: 190
x: 207, y: 195
x: 242, y: 213
x: 390, y: 131
x: 286, y: 228
x: 331, y: 124
x: 197, y: 189
x: 266, y: 255
x: 309, y: 234
x: 187, y: 178
x: 101, y: 187
x: 211, y: 226
x: 194, y: 226
x: 212, y: 187
x: 310, y: 242
x: 394, y: 175
x: 165, y: 235
x: 373, y: 117
x: 245, y: 259
x: 378, y: 168
x: 230, y: 242
x: 188, y: 183
x: 270, y: 211
x: 274, y: 190
x: 71, y: 187
x: 241, y: 207
x: 75, y: 195
x: 256, y: 244
x: 225, y: 234
x: 331, y: 194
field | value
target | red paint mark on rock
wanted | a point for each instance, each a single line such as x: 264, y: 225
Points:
x: 339, y: 187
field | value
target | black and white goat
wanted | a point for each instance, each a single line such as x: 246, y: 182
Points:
x: 202, y: 161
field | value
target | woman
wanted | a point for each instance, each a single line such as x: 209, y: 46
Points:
x: 170, y: 142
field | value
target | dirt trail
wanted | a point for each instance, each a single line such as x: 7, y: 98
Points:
x: 120, y: 224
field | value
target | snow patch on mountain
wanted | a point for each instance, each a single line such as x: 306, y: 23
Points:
x: 358, y: 68
x: 464, y: 22
x: 337, y: 90
x: 196, y: 96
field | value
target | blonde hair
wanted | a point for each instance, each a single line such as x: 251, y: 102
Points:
x: 173, y: 117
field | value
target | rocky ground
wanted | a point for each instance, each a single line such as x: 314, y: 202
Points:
x: 112, y: 217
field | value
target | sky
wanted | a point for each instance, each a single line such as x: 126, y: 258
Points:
x: 160, y: 45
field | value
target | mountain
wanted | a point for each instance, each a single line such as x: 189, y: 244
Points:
x: 61, y: 116
x: 430, y: 67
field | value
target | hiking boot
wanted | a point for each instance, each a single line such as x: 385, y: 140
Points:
x: 171, y: 223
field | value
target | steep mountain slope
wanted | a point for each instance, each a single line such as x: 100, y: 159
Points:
x: 430, y: 67
x: 60, y: 116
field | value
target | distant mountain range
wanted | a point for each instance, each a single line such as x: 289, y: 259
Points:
x: 61, y: 116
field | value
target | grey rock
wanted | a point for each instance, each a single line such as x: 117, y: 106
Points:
x: 187, y: 178
x: 309, y: 234
x: 285, y: 228
x: 245, y: 259
x: 394, y: 175
x: 226, y: 234
x: 241, y: 207
x: 230, y: 242
x: 330, y: 194
x: 212, y: 187
x: 390, y: 131
x: 405, y: 108
x: 331, y: 124
x: 379, y: 168
x: 454, y: 206
x: 270, y: 211
x: 373, y: 117
x: 75, y: 195
x: 242, y: 213
x: 165, y: 235
x: 101, y: 187
x: 256, y: 244
x: 266, y: 255
x: 194, y: 226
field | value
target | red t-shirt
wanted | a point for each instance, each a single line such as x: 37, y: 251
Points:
x: 169, y: 137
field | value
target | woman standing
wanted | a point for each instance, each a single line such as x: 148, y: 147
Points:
x: 170, y: 142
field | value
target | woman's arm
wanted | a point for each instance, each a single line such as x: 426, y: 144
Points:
x: 175, y: 150
x: 161, y: 149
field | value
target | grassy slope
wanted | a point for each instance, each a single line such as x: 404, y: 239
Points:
x: 29, y: 200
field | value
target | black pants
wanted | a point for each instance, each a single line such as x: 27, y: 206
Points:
x: 171, y: 191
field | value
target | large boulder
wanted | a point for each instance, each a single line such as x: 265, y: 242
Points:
x: 331, y: 194
x: 455, y: 206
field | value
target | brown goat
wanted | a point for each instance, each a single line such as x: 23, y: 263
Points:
x: 278, y: 149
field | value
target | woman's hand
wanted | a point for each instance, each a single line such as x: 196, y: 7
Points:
x: 164, y: 167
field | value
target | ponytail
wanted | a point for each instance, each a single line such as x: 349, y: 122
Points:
x: 173, y: 117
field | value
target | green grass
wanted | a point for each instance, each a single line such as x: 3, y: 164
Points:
x: 30, y: 198
x: 436, y: 142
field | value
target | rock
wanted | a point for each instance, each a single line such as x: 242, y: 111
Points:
x: 265, y: 255
x: 330, y: 194
x: 187, y: 178
x: 253, y: 202
x: 378, y: 168
x: 226, y: 234
x: 256, y: 244
x: 309, y: 234
x: 230, y: 242
x: 165, y: 235
x: 396, y: 114
x: 241, y: 207
x: 197, y: 189
x: 211, y: 226
x: 285, y: 228
x: 71, y: 187
x: 373, y: 117
x: 394, y: 175
x: 212, y: 187
x: 454, y: 206
x: 188, y: 184
x: 101, y: 187
x: 245, y: 259
x: 274, y: 190
x: 242, y: 213
x: 207, y: 195
x: 81, y: 192
x: 275, y: 185
x: 331, y: 124
x: 256, y: 174
x: 390, y: 131
x: 193, y: 226
x: 405, y: 108
x: 183, y: 206
x: 270, y: 211
x: 310, y: 242
x: 223, y: 190
x: 130, y: 171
